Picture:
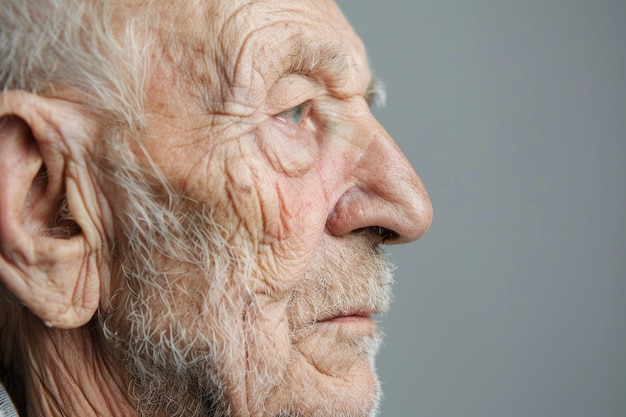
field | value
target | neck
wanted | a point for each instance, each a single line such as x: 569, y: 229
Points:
x: 69, y: 373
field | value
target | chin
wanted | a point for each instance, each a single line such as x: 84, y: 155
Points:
x: 312, y: 389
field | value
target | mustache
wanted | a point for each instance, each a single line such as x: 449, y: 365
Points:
x: 348, y: 277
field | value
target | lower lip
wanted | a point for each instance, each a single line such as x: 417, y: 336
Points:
x: 353, y: 321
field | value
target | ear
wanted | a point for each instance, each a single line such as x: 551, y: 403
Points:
x: 49, y: 214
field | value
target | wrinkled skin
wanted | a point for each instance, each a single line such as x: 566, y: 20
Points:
x: 289, y: 188
x: 257, y: 112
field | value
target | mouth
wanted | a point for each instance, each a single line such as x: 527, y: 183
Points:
x: 354, y: 322
x: 348, y: 316
x: 359, y: 321
x: 352, y: 327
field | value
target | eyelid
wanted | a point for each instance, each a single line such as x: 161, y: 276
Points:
x: 303, y: 108
x: 289, y: 91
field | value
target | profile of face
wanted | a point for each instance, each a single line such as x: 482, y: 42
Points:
x: 243, y: 272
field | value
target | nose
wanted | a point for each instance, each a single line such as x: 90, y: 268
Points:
x: 384, y: 194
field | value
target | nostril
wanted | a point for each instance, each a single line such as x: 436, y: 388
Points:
x: 385, y: 234
x: 379, y: 232
x: 386, y: 216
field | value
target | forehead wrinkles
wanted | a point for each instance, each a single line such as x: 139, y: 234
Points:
x: 185, y: 56
x: 261, y: 42
x: 228, y: 55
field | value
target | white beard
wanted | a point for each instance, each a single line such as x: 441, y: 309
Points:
x: 181, y: 319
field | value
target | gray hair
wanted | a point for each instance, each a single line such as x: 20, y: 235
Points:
x: 92, y: 51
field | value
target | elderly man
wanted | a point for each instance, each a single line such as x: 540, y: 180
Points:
x: 193, y: 198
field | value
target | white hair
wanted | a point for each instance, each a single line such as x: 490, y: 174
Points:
x: 93, y: 50
x: 159, y: 230
x: 185, y: 320
x: 176, y: 319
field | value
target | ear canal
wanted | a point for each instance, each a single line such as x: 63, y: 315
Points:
x: 63, y: 225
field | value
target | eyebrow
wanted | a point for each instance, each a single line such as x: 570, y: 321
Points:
x: 306, y: 58
x: 310, y: 58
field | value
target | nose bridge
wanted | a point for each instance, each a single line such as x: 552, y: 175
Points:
x: 386, y: 192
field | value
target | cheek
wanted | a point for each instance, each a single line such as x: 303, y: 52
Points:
x: 293, y: 221
x: 279, y: 217
x: 258, y: 185
x: 290, y: 151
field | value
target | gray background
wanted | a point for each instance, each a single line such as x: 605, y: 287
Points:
x: 514, y: 114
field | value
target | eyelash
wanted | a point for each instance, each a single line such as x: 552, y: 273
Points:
x: 295, y: 115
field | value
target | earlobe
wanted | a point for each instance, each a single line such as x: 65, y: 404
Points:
x: 45, y: 259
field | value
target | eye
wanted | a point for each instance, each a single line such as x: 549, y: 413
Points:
x: 295, y: 115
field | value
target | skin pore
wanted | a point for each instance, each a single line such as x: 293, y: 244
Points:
x: 243, y: 226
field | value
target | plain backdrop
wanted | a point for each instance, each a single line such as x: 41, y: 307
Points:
x: 513, y: 112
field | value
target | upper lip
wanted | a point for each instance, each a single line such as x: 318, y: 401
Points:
x: 349, y: 313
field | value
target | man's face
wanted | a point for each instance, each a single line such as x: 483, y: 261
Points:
x: 255, y: 296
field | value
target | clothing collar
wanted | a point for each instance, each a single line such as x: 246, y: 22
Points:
x: 7, y: 409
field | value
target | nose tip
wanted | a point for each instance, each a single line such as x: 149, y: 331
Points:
x: 387, y: 197
x: 400, y: 220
